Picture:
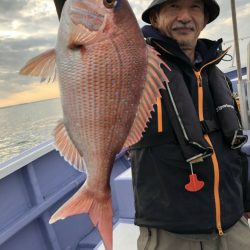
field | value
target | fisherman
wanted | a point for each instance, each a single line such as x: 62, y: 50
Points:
x: 190, y: 188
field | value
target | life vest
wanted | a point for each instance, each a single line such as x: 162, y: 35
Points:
x: 187, y: 122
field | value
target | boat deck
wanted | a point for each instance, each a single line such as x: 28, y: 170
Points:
x: 125, y: 237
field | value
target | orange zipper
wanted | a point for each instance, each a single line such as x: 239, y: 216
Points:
x: 214, y: 157
x: 216, y: 189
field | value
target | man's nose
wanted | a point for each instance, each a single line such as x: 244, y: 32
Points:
x: 184, y: 15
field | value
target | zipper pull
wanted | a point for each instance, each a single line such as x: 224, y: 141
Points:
x: 198, y: 77
x: 194, y: 184
x: 200, y: 81
x: 220, y: 232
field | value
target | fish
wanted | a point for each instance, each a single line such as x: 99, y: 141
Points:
x: 109, y: 80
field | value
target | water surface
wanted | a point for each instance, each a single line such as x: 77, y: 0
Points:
x: 27, y: 125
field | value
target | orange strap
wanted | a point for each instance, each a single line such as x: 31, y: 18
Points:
x: 159, y: 112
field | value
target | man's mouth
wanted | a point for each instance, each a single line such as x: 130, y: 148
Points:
x: 183, y: 30
x: 179, y: 27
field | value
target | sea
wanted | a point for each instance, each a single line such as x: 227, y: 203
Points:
x: 27, y: 125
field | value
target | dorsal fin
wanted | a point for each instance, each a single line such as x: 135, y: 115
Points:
x: 154, y: 82
x: 43, y: 65
x: 67, y: 149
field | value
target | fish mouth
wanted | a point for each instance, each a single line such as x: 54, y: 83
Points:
x: 86, y: 14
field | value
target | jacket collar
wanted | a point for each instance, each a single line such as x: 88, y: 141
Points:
x: 206, y: 49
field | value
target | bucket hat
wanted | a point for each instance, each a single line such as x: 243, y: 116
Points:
x: 211, y: 6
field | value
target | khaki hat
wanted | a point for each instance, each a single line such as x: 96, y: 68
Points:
x: 211, y: 6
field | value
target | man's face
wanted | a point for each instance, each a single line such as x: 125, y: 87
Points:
x: 182, y: 20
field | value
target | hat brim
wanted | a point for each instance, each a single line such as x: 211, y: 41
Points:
x: 213, y: 10
x: 211, y: 7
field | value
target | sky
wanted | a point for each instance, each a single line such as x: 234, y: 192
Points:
x: 29, y: 27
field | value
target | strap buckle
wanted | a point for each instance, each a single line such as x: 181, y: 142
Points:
x: 209, y: 126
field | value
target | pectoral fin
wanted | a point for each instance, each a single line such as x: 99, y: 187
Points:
x: 43, y: 65
x: 81, y: 35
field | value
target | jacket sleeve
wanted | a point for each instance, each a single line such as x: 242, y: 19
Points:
x: 230, y: 86
x: 245, y: 163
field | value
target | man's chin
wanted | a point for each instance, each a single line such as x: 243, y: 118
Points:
x: 186, y: 44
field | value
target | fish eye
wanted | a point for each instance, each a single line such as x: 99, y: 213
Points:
x: 109, y: 3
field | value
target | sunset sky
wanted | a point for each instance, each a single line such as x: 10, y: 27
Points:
x: 29, y: 27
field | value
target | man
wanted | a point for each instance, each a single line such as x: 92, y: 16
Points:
x: 189, y: 176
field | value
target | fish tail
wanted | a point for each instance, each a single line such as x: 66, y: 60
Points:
x: 99, y: 210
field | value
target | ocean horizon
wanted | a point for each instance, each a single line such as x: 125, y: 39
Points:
x: 25, y: 103
x: 24, y: 126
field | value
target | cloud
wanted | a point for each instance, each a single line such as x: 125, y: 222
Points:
x: 29, y: 27
x: 12, y: 7
x: 138, y: 7
x: 222, y: 27
x: 14, y: 54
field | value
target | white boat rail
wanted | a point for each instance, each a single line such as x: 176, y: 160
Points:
x: 25, y: 158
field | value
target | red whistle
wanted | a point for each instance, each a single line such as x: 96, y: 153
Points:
x: 194, y: 184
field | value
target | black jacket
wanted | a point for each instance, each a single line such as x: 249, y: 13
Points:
x: 159, y: 166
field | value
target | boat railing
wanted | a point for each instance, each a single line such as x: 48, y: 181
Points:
x: 25, y: 158
x: 244, y: 94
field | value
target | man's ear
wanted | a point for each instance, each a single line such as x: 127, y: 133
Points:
x: 206, y: 19
x: 153, y: 17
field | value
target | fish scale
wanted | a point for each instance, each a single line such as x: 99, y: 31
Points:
x: 109, y: 81
x: 96, y: 91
